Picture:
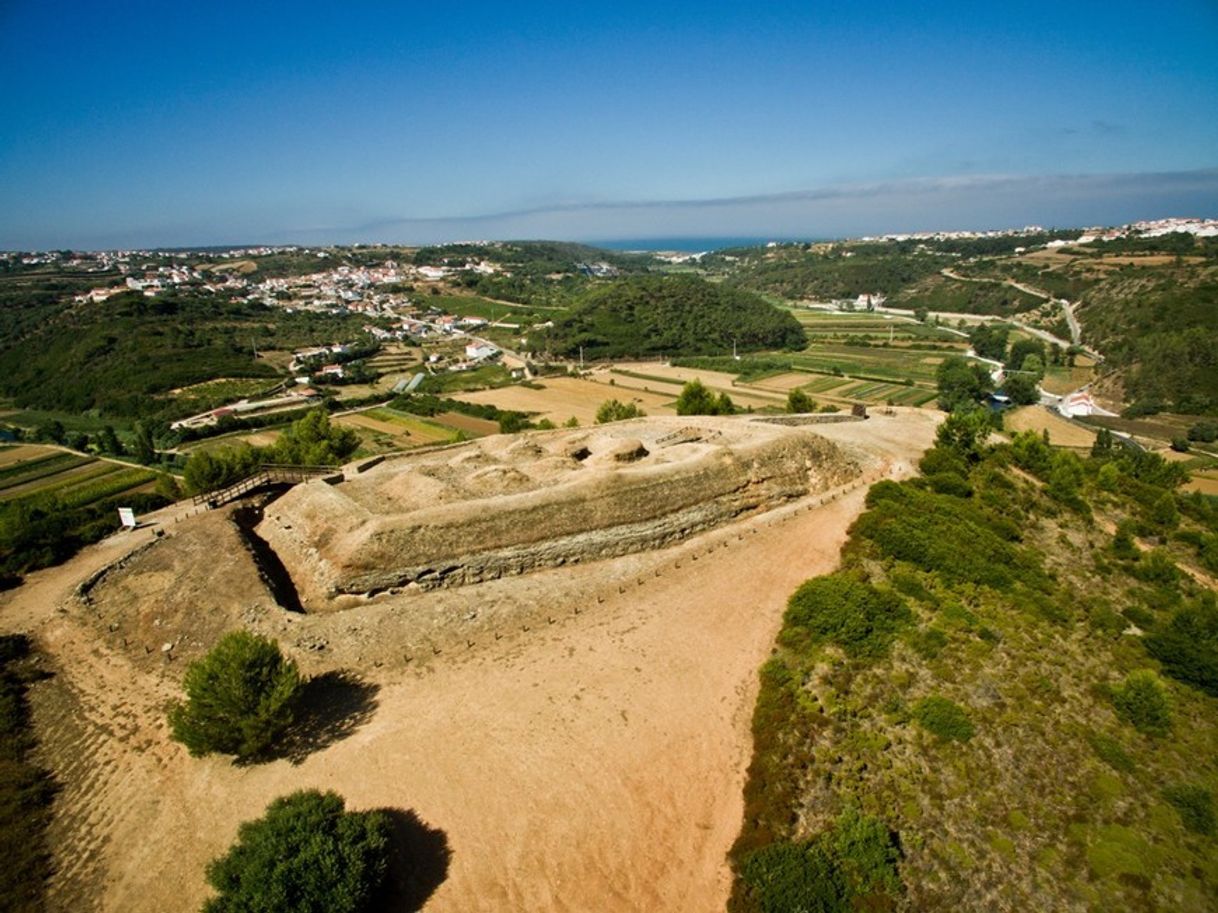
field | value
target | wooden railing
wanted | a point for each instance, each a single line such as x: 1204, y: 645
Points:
x: 266, y: 474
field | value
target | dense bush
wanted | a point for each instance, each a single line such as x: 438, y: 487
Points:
x: 612, y: 410
x: 43, y: 531
x: 1195, y: 805
x: 696, y: 399
x: 964, y: 433
x: 852, y: 865
x: 311, y: 440
x: 946, y: 534
x: 844, y: 610
x: 1187, y: 645
x: 240, y: 698
x: 1141, y: 701
x: 961, y: 383
x: 800, y: 402
x: 784, y: 877
x: 943, y: 718
x: 314, y: 441
x: 305, y: 855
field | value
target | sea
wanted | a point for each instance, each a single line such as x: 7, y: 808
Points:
x: 689, y: 245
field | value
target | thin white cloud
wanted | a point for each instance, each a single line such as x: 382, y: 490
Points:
x: 961, y: 201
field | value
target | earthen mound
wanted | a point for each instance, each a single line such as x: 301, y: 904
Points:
x: 506, y: 505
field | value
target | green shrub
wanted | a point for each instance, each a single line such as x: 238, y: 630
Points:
x: 943, y: 718
x: 942, y: 459
x: 239, y: 698
x: 847, y: 611
x: 1111, y: 752
x: 1141, y: 617
x: 1195, y: 805
x: 852, y: 865
x: 957, y: 538
x: 1187, y: 645
x: 305, y: 855
x: 799, y: 402
x: 612, y: 410
x: 1123, y: 545
x: 787, y: 877
x: 949, y: 483
x: 1141, y: 701
x: 866, y: 853
x: 696, y: 399
x: 1156, y: 567
x: 928, y: 643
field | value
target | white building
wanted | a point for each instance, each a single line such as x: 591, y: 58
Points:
x: 480, y: 351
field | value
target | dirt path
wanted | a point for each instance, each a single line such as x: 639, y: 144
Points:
x: 598, y: 765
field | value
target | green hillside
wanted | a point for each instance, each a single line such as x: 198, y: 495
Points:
x: 1159, y: 326
x: 996, y: 703
x: 118, y: 356
x: 674, y: 315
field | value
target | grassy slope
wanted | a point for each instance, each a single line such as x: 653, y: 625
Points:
x: 1017, y: 612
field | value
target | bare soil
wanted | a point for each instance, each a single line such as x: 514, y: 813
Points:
x: 581, y: 740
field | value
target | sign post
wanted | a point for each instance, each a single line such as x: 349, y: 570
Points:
x: 126, y: 516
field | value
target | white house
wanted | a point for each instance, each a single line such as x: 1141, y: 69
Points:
x: 480, y: 351
x: 1080, y: 402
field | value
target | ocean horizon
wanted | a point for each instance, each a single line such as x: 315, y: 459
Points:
x: 691, y: 245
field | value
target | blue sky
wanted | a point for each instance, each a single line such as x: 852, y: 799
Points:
x: 177, y: 124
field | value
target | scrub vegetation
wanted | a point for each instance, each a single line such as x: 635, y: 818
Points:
x: 1011, y: 682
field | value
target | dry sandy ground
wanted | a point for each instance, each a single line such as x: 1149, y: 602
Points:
x: 599, y: 767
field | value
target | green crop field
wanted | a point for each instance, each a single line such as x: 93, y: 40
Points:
x: 875, y: 327
x: 74, y: 480
x: 887, y: 363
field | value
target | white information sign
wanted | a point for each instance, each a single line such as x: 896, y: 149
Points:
x: 126, y: 516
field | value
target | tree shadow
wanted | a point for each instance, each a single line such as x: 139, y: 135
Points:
x: 418, y: 862
x: 331, y: 707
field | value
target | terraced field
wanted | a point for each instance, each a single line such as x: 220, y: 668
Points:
x: 878, y: 326
x: 385, y: 430
x: 74, y: 479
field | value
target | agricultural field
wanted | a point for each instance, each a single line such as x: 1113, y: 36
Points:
x: 29, y: 472
x: 395, y: 359
x: 561, y: 398
x: 1062, y: 433
x: 770, y: 392
x: 827, y: 325
x: 886, y: 363
x: 261, y: 437
x: 1204, y: 482
x: 668, y: 379
x: 1060, y: 379
x: 386, y: 430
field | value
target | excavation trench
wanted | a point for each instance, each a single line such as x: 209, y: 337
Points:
x: 272, y: 571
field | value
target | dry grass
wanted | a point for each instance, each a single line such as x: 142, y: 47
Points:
x: 560, y: 398
x: 23, y: 452
x: 1038, y: 418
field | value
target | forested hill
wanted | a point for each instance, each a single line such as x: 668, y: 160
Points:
x: 118, y: 355
x: 1156, y: 326
x: 675, y: 315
